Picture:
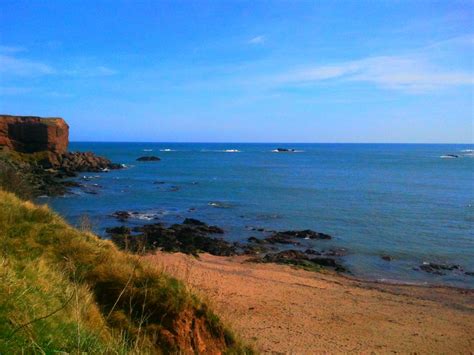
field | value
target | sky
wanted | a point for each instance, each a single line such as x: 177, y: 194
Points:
x: 242, y: 71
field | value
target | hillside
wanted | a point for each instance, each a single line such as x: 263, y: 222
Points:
x: 67, y: 290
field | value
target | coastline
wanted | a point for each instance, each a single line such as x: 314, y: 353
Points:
x: 325, y: 311
x: 176, y: 188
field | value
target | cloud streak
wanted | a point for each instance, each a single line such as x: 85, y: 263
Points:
x: 90, y: 72
x: 12, y: 49
x: 257, y: 40
x: 18, y: 67
x: 409, y: 74
x: 23, y: 67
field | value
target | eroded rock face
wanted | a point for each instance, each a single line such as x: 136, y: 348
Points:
x: 29, y: 134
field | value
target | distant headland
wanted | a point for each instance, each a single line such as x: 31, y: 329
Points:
x: 37, y: 148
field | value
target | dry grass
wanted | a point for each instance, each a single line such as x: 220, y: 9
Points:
x: 66, y: 290
x: 11, y: 180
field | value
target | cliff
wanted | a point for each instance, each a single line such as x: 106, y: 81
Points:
x: 29, y: 134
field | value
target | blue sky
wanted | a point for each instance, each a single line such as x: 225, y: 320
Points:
x: 242, y: 71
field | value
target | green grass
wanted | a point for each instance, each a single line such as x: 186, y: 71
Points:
x: 66, y: 290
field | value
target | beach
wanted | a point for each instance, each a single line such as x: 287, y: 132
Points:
x: 281, y: 309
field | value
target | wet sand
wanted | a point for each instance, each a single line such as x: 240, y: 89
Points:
x: 281, y: 309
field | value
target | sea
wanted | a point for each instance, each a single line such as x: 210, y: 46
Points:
x: 412, y: 202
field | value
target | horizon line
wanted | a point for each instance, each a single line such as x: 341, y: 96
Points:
x: 247, y: 142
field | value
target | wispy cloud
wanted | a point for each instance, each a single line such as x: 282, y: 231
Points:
x: 257, y: 40
x: 409, y: 74
x: 90, y: 72
x: 12, y: 49
x: 459, y: 41
x: 23, y: 67
x: 14, y: 66
x: 12, y: 90
x: 104, y: 71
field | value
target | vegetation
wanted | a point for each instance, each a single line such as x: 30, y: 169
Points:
x: 65, y: 290
x: 12, y: 178
x: 23, y: 175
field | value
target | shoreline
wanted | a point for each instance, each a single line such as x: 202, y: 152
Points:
x: 325, y: 311
x: 403, y: 283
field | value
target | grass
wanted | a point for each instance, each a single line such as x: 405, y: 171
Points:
x: 11, y: 179
x: 65, y: 290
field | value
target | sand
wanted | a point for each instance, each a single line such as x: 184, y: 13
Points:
x: 281, y: 309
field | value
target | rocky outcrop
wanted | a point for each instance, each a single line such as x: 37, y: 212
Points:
x: 190, y: 237
x: 303, y: 260
x: 29, y: 134
x: 73, y: 162
x: 289, y: 237
x: 148, y: 158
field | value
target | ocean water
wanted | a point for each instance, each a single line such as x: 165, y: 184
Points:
x: 409, y: 201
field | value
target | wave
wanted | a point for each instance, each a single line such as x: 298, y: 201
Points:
x: 90, y: 177
x: 467, y: 151
x: 167, y: 150
x: 449, y: 156
x: 218, y: 204
x: 144, y: 216
x: 221, y: 150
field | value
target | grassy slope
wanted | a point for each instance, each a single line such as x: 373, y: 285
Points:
x: 66, y: 290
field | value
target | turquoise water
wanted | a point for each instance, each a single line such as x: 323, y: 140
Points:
x: 403, y: 200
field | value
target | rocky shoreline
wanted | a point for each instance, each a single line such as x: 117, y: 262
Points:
x: 47, y: 173
x: 193, y: 237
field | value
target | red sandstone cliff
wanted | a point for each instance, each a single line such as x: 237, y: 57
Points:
x: 34, y: 134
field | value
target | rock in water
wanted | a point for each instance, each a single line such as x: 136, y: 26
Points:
x: 288, y: 237
x: 121, y: 215
x: 191, y: 237
x: 193, y: 222
x: 300, y: 259
x: 439, y: 269
x: 148, y: 158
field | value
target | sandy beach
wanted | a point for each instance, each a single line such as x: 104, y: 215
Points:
x: 280, y: 309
